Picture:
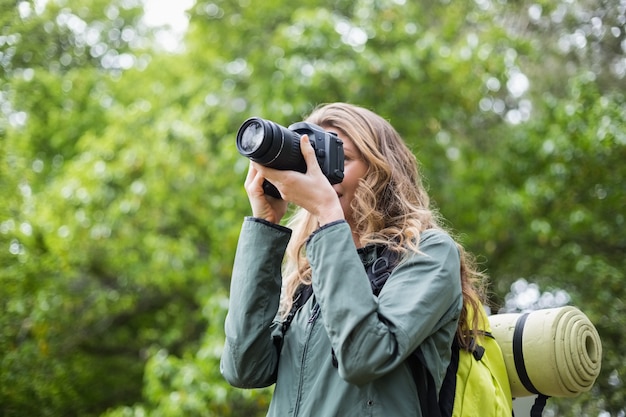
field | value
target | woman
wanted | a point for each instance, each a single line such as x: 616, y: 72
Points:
x: 345, y: 351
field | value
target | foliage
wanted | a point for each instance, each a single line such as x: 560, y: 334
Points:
x: 122, y: 195
x: 567, y: 182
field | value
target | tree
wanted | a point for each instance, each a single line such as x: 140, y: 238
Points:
x: 564, y: 183
x: 96, y: 242
x: 124, y: 187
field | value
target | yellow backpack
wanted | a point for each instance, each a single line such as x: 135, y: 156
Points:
x: 476, y: 381
x: 482, y: 383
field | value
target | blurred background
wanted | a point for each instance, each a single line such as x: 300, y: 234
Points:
x: 121, y: 192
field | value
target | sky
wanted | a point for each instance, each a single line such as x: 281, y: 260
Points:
x: 161, y: 12
x: 168, y: 12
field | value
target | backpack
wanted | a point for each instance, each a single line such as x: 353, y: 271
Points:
x: 476, y: 381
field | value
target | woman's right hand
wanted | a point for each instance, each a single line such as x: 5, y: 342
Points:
x: 263, y: 206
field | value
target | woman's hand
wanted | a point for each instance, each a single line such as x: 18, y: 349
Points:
x: 312, y: 191
x: 263, y: 206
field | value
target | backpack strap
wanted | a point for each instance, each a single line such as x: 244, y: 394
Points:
x: 425, y: 384
x: 448, y: 386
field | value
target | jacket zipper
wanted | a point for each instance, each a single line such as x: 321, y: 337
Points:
x: 312, y: 319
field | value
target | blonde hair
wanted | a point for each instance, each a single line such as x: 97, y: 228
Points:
x: 390, y: 206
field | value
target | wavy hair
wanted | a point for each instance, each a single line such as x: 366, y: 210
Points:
x: 390, y: 206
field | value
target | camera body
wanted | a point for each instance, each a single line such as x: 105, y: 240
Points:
x: 275, y: 146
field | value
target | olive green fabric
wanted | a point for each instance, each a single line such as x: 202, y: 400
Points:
x: 371, y: 337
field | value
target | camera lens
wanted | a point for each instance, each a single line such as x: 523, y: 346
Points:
x: 270, y: 144
x: 252, y: 137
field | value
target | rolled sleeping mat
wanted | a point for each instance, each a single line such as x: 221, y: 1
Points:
x: 555, y: 352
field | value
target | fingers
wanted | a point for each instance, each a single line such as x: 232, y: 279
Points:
x: 254, y: 180
x: 263, y: 206
x: 251, y: 174
x: 308, y: 153
x: 292, y: 185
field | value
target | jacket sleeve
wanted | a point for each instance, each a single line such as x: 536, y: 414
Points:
x: 371, y: 336
x: 250, y: 356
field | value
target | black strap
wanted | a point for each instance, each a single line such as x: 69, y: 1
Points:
x: 448, y: 387
x: 538, y: 406
x: 518, y: 354
x: 425, y: 384
x: 380, y: 270
x: 520, y: 367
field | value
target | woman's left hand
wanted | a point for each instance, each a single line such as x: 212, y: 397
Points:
x: 311, y: 190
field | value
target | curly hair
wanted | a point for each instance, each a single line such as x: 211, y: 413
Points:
x: 390, y: 207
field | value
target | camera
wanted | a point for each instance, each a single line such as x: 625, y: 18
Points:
x: 275, y: 146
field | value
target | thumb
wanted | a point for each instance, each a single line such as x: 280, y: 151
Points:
x: 308, y: 152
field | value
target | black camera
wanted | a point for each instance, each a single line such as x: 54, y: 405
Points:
x: 275, y: 146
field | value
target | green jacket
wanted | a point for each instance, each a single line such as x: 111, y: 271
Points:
x: 371, y: 337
